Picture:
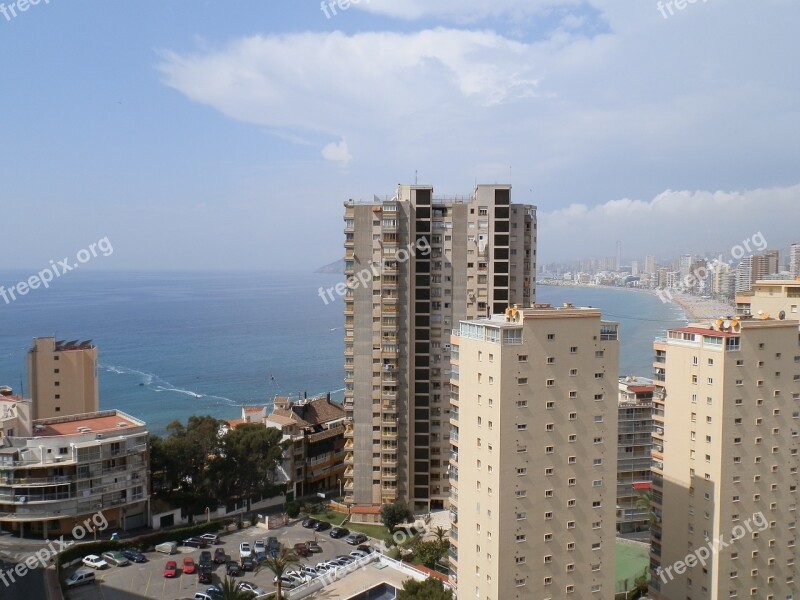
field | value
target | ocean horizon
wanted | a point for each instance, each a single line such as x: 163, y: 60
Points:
x: 176, y: 344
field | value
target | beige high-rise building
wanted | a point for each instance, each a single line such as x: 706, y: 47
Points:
x: 634, y: 442
x: 794, y: 259
x: 416, y: 264
x: 776, y: 298
x: 725, y: 461
x: 62, y: 378
x: 534, y: 455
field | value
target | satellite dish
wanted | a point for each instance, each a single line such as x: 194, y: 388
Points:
x: 782, y: 315
x: 726, y: 324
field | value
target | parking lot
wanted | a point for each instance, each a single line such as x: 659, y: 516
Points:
x: 146, y: 580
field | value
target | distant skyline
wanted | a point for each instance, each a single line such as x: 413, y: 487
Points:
x: 217, y: 136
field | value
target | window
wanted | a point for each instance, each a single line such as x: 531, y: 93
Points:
x: 572, y: 460
x: 573, y: 416
x: 550, y: 405
x: 598, y: 375
x: 522, y: 403
x: 573, y: 349
x: 522, y: 380
x: 598, y: 397
x: 597, y: 462
x: 522, y: 470
x: 551, y: 382
x: 550, y: 427
x: 597, y: 440
x: 573, y: 394
x: 551, y: 336
x: 549, y: 450
x: 551, y: 360
x: 573, y: 372
x: 522, y: 358
x: 522, y: 426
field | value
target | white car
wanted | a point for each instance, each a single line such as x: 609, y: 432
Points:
x: 211, y: 538
x: 94, y: 561
x: 245, y: 551
x: 258, y: 546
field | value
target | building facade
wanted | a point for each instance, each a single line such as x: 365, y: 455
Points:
x: 416, y: 264
x: 794, y: 260
x: 534, y: 452
x: 62, y: 377
x: 57, y: 472
x: 725, y: 461
x: 634, y: 442
x: 314, y: 462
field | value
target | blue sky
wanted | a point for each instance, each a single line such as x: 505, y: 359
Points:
x: 225, y: 135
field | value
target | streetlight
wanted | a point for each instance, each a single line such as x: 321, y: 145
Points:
x: 339, y: 481
x: 208, y: 515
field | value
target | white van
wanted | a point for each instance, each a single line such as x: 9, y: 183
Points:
x: 80, y: 577
x: 167, y: 547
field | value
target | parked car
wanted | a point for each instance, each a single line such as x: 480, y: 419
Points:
x: 80, y: 577
x: 359, y: 554
x: 233, y: 569
x: 367, y: 549
x: 288, y: 583
x: 259, y: 546
x: 273, y: 543
x: 115, y: 558
x: 259, y: 557
x: 188, y: 565
x: 344, y: 560
x: 245, y: 551
x: 133, y: 555
x: 205, y: 574
x: 94, y: 562
x: 167, y: 547
x: 246, y: 586
x: 248, y: 564
x: 171, y: 569
x: 211, y: 593
x: 211, y: 538
x: 354, y: 539
x: 301, y: 550
x: 195, y: 542
x: 339, y: 532
x: 314, y: 546
x: 321, y: 526
x: 205, y: 558
x: 219, y: 556
x: 309, y: 523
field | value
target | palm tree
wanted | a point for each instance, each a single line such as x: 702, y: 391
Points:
x: 645, y: 501
x: 441, y: 534
x: 229, y: 591
x: 279, y: 564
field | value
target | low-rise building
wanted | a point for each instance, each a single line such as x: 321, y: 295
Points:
x: 57, y: 472
x: 314, y: 462
x: 774, y: 298
x: 634, y: 442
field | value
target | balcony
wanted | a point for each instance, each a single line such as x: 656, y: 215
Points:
x: 348, y: 485
x: 349, y: 471
x: 348, y: 445
x: 348, y: 458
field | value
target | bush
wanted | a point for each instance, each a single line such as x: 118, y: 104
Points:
x: 292, y: 509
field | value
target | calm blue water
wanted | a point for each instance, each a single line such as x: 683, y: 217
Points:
x: 176, y: 344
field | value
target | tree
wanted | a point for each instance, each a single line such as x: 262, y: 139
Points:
x: 430, y: 589
x: 229, y: 590
x: 645, y: 501
x: 394, y: 514
x: 428, y: 553
x: 279, y: 564
x: 292, y: 509
x: 441, y: 534
x: 249, y: 457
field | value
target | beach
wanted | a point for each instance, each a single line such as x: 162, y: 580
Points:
x: 700, y: 309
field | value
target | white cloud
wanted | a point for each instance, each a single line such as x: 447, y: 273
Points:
x: 672, y: 223
x: 337, y: 153
x: 647, y: 105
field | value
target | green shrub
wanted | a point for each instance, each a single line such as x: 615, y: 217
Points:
x: 292, y: 509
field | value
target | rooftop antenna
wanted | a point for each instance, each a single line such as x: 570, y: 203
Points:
x: 415, y: 177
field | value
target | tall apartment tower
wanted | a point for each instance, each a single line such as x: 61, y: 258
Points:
x: 649, y: 264
x: 634, y: 443
x: 62, y: 378
x: 534, y: 455
x: 416, y: 265
x: 725, y: 461
x: 794, y: 259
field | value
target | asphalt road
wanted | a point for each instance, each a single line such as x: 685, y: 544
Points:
x: 30, y: 586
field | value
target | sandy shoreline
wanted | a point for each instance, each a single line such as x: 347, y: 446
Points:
x: 694, y: 307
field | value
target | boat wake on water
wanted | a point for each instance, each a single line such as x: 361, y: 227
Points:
x: 157, y: 384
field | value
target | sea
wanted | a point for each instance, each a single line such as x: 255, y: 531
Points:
x: 176, y: 344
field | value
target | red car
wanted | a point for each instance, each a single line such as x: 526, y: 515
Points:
x: 188, y: 565
x: 171, y: 570
x: 301, y: 550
